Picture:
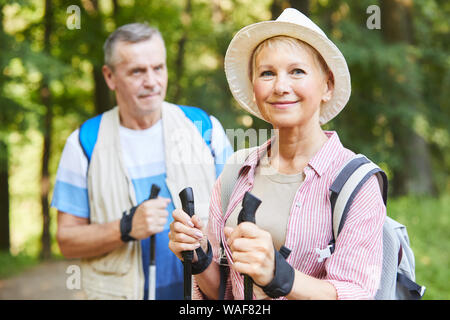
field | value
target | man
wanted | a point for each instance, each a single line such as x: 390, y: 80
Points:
x: 109, y: 164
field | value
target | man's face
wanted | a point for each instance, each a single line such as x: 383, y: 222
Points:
x: 139, y: 76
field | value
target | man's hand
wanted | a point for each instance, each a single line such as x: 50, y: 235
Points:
x: 150, y: 218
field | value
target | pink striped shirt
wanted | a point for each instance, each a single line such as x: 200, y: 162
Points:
x: 354, y: 268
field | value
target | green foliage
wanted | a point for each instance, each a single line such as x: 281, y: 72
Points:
x: 428, y: 222
x: 11, y: 265
x: 396, y: 87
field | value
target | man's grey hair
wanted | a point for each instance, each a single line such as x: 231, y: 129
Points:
x: 133, y: 33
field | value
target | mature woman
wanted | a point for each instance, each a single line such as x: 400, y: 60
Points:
x: 290, y: 74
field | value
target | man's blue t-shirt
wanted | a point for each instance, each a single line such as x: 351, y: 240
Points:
x: 144, y: 158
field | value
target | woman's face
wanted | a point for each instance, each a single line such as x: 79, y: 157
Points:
x: 289, y: 86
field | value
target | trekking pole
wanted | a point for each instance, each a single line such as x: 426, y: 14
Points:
x: 249, y: 205
x: 187, y: 202
x: 152, y: 266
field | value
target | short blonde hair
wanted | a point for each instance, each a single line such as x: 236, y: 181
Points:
x: 276, y: 42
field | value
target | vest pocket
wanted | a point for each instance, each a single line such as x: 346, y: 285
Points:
x: 117, y: 262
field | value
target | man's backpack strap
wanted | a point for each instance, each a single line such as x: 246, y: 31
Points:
x: 202, y: 121
x: 89, y: 129
x: 88, y: 135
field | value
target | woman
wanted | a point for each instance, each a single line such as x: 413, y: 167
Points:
x: 290, y: 74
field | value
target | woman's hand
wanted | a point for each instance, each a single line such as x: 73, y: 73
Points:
x: 186, y: 234
x: 252, y: 252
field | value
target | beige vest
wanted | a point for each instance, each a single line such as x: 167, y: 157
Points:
x: 118, y: 274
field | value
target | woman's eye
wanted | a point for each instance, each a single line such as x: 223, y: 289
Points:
x: 298, y: 72
x: 266, y: 74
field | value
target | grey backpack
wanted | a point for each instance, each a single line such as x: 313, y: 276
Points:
x: 398, y: 271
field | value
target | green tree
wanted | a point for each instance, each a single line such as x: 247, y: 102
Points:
x: 398, y: 27
x: 10, y: 120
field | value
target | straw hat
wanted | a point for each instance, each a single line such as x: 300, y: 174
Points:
x: 294, y: 24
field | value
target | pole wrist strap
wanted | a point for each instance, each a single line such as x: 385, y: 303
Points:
x: 126, y: 224
x: 204, y: 259
x: 283, y: 280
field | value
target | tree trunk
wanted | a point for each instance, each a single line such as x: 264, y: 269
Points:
x: 414, y: 175
x: 45, y: 175
x: 179, y: 61
x: 4, y: 173
x: 102, y: 95
x: 4, y: 197
x: 276, y: 8
x: 116, y: 9
x: 103, y: 99
x: 301, y: 5
x: 47, y: 132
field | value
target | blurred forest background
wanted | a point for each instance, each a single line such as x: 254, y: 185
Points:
x: 398, y: 114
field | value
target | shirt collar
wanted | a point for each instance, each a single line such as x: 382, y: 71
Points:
x: 325, y: 156
x: 320, y: 162
x: 254, y: 156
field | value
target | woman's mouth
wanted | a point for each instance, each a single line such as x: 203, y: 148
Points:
x: 283, y: 104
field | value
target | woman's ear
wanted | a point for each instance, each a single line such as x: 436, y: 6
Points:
x: 329, y: 88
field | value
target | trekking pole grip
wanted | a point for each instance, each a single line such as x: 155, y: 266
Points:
x: 154, y: 192
x: 249, y: 205
x: 187, y: 203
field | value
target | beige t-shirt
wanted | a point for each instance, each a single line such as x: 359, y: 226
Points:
x: 276, y: 191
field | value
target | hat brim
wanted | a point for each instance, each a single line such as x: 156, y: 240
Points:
x: 238, y: 55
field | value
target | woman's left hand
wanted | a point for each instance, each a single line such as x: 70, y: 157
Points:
x: 252, y: 252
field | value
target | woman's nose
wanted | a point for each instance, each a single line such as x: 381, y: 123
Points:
x: 282, y: 85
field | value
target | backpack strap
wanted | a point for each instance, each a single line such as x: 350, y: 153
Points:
x: 228, y: 180
x: 343, y: 191
x: 347, y: 185
x: 202, y: 121
x: 89, y: 129
x: 88, y: 135
x: 415, y: 290
x: 230, y: 175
